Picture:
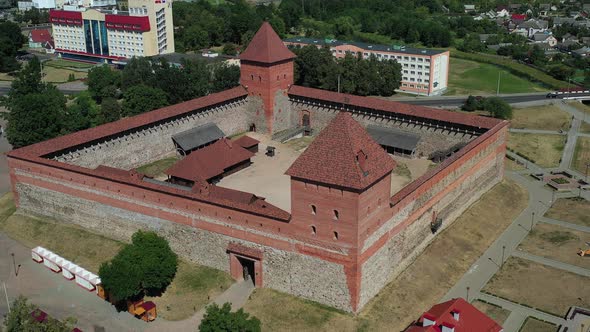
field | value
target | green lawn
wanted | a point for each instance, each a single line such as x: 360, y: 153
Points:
x: 470, y: 77
x: 60, y: 63
x: 157, y: 167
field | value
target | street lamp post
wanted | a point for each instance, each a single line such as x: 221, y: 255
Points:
x: 467, y: 294
x: 502, y: 261
x: 532, y: 220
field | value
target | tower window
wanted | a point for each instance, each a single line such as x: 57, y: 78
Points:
x: 335, y: 235
x: 313, y: 230
x: 278, y: 77
x: 313, y: 209
x: 336, y: 214
x: 252, y: 77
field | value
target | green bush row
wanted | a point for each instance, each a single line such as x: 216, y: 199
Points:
x: 515, y: 68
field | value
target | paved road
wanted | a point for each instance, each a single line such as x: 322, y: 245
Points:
x: 536, y: 131
x: 561, y: 223
x: 455, y: 101
x: 521, y: 309
x: 551, y: 262
x: 66, y: 88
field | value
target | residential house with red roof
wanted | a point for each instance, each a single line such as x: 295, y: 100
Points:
x: 39, y: 37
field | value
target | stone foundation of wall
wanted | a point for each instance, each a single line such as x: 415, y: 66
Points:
x: 286, y: 271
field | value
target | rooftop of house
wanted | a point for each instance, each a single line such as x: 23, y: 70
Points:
x: 344, y: 155
x: 456, y: 314
x: 40, y: 36
x: 364, y: 46
x: 266, y: 47
x: 210, y: 161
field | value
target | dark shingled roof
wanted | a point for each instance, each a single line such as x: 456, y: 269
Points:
x: 393, y: 137
x: 394, y: 107
x: 210, y: 161
x: 266, y: 47
x: 198, y: 136
x: 344, y: 155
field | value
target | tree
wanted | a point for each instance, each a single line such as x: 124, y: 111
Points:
x: 498, y: 108
x: 103, y: 82
x: 19, y: 319
x: 218, y: 319
x: 137, y: 71
x: 224, y: 76
x: 561, y: 72
x: 587, y: 79
x: 36, y: 109
x: 229, y: 49
x: 471, y: 104
x: 11, y: 40
x: 110, y: 110
x: 82, y: 114
x: 146, y: 266
x: 142, y: 98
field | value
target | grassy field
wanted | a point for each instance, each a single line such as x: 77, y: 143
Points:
x: 585, y: 127
x: 521, y: 70
x: 189, y: 291
x: 557, y: 243
x: 60, y: 75
x: 60, y: 63
x: 539, y: 286
x: 582, y: 155
x: 192, y: 288
x: 546, y: 117
x: 544, y: 150
x: 157, y: 167
x: 575, y: 210
x: 301, y: 143
x: 581, y: 107
x: 470, y: 77
x: 496, y: 313
x: 414, y: 290
x: 535, y: 325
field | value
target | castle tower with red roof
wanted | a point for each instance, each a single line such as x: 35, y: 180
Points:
x: 266, y: 70
x: 340, y: 186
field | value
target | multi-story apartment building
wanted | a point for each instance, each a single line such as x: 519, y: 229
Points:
x: 424, y: 71
x: 94, y: 34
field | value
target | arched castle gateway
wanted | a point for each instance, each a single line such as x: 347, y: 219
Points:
x: 347, y: 233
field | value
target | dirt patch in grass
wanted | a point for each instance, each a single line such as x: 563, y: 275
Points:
x: 450, y: 255
x: 575, y: 210
x: 546, y: 117
x: 300, y: 143
x: 540, y: 286
x: 544, y: 150
x: 496, y: 313
x: 558, y: 243
x: 282, y: 312
x: 157, y: 167
x: 582, y: 155
x: 192, y: 288
x: 534, y: 325
x: 414, y: 290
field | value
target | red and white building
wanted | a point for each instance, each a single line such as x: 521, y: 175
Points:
x: 94, y: 34
x: 424, y: 71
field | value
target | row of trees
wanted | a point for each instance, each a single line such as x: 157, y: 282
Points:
x: 318, y: 68
x: 39, y: 111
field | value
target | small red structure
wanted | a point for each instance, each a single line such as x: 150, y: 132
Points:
x: 210, y: 163
x: 248, y: 143
x: 456, y: 315
x: 143, y: 310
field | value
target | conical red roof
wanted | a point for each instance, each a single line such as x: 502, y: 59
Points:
x: 266, y: 47
x: 343, y: 154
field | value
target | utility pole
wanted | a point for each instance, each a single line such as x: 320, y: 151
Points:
x: 502, y: 261
x: 6, y: 294
x: 498, y: 89
x: 532, y: 220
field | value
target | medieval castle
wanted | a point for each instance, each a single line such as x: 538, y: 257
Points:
x: 347, y: 233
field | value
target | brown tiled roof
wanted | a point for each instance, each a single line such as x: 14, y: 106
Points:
x: 394, y: 107
x: 344, y: 155
x: 127, y: 124
x: 210, y: 161
x: 246, y: 141
x: 266, y: 47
